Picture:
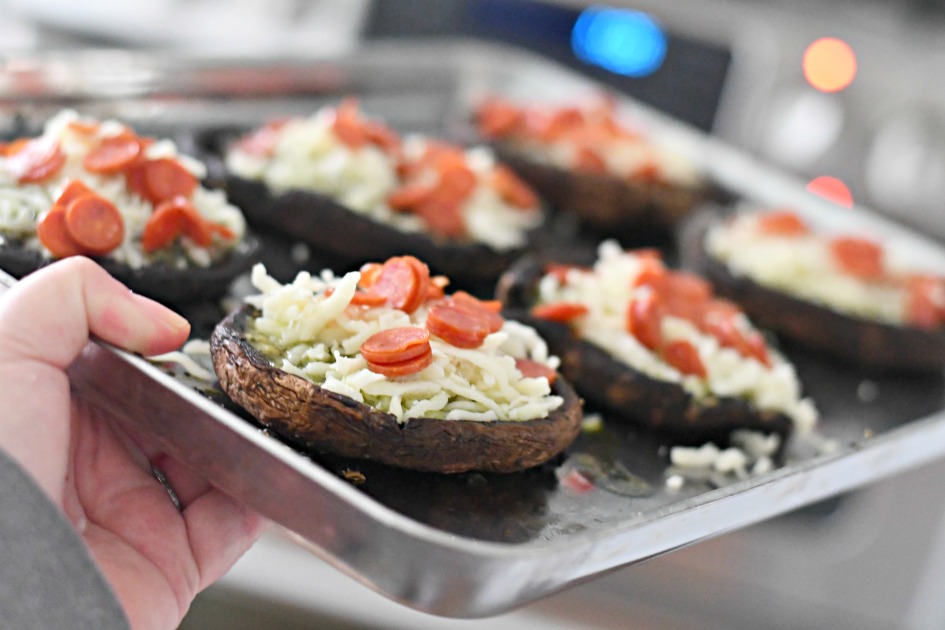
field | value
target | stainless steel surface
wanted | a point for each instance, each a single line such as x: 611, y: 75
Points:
x: 473, y: 545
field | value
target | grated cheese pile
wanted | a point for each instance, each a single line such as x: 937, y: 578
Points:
x: 318, y: 337
x: 309, y: 155
x: 23, y: 205
x: 802, y: 266
x: 607, y: 291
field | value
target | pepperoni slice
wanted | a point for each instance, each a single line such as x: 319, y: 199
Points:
x: 858, y: 257
x: 73, y: 190
x: 113, y: 155
x: 534, y: 369
x: 348, y: 125
x: 55, y: 237
x: 396, y: 345
x: 382, y: 136
x: 403, y: 368
x: 35, y: 160
x: 782, y: 223
x: 925, y: 301
x: 165, y: 178
x: 369, y: 274
x: 749, y: 344
x: 497, y: 118
x: 403, y: 282
x: 562, y: 312
x: 683, y: 356
x: 644, y: 318
x: 437, y: 286
x: 409, y: 196
x: 652, y: 273
x: 456, y: 326
x: 443, y: 218
x: 487, y: 311
x: 589, y: 161
x: 165, y: 224
x: 512, y: 189
x: 95, y: 224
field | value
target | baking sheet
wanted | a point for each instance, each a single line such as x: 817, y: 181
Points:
x: 472, y: 544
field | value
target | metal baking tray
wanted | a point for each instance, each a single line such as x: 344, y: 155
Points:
x: 467, y: 545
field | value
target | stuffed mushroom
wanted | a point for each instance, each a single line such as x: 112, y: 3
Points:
x: 382, y: 364
x: 654, y: 346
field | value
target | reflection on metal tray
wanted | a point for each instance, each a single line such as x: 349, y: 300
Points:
x: 472, y: 544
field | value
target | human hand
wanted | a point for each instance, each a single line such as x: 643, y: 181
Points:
x: 155, y: 557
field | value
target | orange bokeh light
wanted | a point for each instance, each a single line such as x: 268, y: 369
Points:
x: 832, y: 189
x: 829, y: 64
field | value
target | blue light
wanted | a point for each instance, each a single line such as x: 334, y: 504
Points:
x: 625, y: 42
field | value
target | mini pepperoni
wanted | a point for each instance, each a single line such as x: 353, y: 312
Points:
x: 487, y: 311
x: 589, y: 161
x: 404, y: 368
x: 652, y: 273
x: 165, y: 179
x: 361, y: 298
x: 562, y: 312
x: 497, y: 118
x: 749, y: 344
x: 782, y: 223
x: 512, y: 189
x: 443, y: 218
x: 422, y: 275
x: 165, y: 224
x: 456, y: 326
x: 54, y: 235
x: 348, y: 125
x: 683, y: 356
x: 645, y: 317
x: 858, y: 257
x: 382, y: 136
x: 35, y: 161
x: 409, y: 196
x: 95, y: 224
x: 534, y: 369
x: 113, y: 155
x: 73, y: 190
x: 925, y: 301
x: 403, y: 282
x: 395, y: 345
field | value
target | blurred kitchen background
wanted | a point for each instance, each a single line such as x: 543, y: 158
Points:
x: 845, y: 95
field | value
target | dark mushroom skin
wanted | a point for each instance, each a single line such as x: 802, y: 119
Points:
x: 624, y: 391
x: 606, y: 202
x: 158, y: 281
x: 870, y: 345
x: 322, y: 421
x: 351, y: 239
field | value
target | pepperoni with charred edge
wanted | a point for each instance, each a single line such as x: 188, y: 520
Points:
x: 559, y: 311
x: 396, y: 345
x: 534, y: 369
x: 457, y: 326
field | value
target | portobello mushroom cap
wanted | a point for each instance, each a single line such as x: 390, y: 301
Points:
x: 319, y: 420
x: 606, y: 202
x: 352, y: 239
x: 872, y: 345
x: 614, y: 386
x: 158, y: 281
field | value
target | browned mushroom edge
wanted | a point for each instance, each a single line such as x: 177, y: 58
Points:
x: 625, y: 392
x: 351, y: 239
x: 158, y: 281
x: 866, y: 344
x: 319, y: 420
x: 606, y: 202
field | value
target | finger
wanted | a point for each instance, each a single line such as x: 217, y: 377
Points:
x: 48, y: 315
x: 220, y: 531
